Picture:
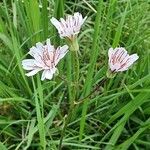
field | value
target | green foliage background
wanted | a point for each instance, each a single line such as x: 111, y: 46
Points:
x: 32, y: 113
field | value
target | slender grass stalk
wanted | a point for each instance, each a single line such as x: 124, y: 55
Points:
x: 69, y: 76
x: 130, y: 140
x: 39, y: 119
x: 109, y: 19
x: 72, y: 108
x: 40, y: 113
x: 58, y: 13
x: 88, y: 82
x: 31, y: 114
x: 70, y: 111
x: 117, y: 132
x: 73, y: 90
x: 40, y: 92
x: 34, y: 17
x: 120, y: 27
x: 102, y: 82
x: 44, y: 18
x: 133, y: 105
x: 16, y: 49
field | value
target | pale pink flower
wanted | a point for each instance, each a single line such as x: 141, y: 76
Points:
x: 46, y: 57
x: 120, y: 60
x: 69, y: 27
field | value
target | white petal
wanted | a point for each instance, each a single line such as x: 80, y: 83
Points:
x: 69, y: 27
x: 49, y: 46
x: 37, y: 52
x: 80, y: 19
x: 58, y: 26
x: 123, y: 56
x: 60, y: 53
x: 63, y: 23
x: 114, y: 67
x: 53, y: 70
x: 56, y: 23
x: 43, y: 75
x: 39, y: 46
x: 32, y: 51
x: 132, y: 59
x: 39, y: 64
x: 118, y: 52
x: 124, y: 60
x: 33, y: 72
x: 84, y: 19
x: 48, y: 42
x: 110, y: 52
x: 48, y: 74
x: 28, y: 64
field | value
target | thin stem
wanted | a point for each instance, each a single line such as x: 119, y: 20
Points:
x: 39, y: 119
x: 72, y: 107
x: 62, y: 78
x: 93, y: 58
x: 103, y: 81
x: 65, y: 125
x: 75, y: 73
x: 74, y: 90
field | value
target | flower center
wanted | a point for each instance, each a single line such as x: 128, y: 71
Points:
x: 48, y: 58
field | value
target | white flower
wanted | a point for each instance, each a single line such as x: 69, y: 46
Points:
x: 46, y: 57
x: 120, y: 60
x: 70, y: 27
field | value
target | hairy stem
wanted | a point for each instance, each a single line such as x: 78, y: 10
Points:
x: 75, y: 74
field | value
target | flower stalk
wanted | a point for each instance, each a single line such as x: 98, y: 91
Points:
x: 102, y: 82
x: 69, y: 29
x: 68, y: 118
x: 75, y: 79
x: 75, y: 59
x: 74, y: 46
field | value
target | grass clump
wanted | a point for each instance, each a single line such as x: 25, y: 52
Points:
x: 33, y: 112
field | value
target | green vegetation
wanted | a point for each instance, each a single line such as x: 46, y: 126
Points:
x: 33, y: 112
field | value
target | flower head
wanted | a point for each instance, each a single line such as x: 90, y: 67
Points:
x: 70, y: 27
x: 120, y: 60
x: 46, y: 57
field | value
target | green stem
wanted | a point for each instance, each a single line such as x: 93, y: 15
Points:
x: 73, y: 44
x: 102, y: 82
x: 65, y: 125
x: 39, y: 119
x: 75, y: 66
x: 74, y: 90
x: 72, y: 108
x: 89, y: 78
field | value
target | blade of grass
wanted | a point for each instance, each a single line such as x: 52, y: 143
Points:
x: 88, y: 82
x: 128, y: 142
x: 135, y: 103
x: 2, y: 146
x: 44, y: 18
x: 39, y: 119
x: 120, y: 27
